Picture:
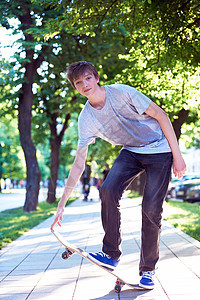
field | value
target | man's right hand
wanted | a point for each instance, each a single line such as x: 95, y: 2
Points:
x: 58, y: 217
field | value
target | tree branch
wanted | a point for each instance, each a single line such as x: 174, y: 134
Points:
x: 38, y: 61
x: 183, y: 6
x: 104, y: 15
x: 67, y: 117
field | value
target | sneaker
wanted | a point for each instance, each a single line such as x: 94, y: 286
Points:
x: 147, y: 280
x: 104, y: 260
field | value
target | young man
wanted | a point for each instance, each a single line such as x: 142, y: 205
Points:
x: 122, y: 115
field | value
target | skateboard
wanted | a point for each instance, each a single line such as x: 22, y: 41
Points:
x: 71, y: 249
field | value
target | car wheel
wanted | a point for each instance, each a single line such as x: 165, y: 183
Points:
x: 173, y: 193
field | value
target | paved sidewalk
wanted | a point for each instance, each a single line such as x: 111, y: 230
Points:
x: 31, y: 267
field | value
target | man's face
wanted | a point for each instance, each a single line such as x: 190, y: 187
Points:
x: 86, y: 84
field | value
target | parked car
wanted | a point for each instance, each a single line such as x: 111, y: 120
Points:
x: 171, y: 189
x: 187, y: 189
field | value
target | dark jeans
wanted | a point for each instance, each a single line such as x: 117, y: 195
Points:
x: 126, y: 167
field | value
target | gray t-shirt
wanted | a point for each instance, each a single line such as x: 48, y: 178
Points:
x: 122, y: 121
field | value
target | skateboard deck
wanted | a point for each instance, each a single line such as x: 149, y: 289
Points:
x: 73, y: 249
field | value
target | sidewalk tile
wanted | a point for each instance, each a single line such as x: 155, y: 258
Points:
x: 32, y: 267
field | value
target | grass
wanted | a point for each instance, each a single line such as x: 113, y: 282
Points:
x: 15, y: 222
x: 182, y: 215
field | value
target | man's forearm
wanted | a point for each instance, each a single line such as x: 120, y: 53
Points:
x: 72, y: 180
x: 74, y: 175
x: 170, y: 135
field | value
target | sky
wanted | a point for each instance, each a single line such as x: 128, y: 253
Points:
x: 6, y: 43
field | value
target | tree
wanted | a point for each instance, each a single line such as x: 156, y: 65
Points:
x: 176, y: 23
x: 22, y: 10
x: 161, y: 38
x: 31, y: 17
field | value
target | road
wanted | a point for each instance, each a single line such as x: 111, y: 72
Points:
x: 16, y: 198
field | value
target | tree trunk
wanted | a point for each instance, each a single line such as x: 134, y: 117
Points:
x: 55, y: 149
x: 182, y: 116
x: 24, y: 125
x: 24, y: 118
x: 55, y: 142
x: 25, y: 111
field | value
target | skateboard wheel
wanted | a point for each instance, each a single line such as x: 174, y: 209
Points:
x: 118, y: 285
x: 66, y: 254
x: 118, y: 288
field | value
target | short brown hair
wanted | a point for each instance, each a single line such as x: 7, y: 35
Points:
x: 75, y: 70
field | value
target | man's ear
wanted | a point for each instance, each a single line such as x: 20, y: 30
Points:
x: 97, y: 78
